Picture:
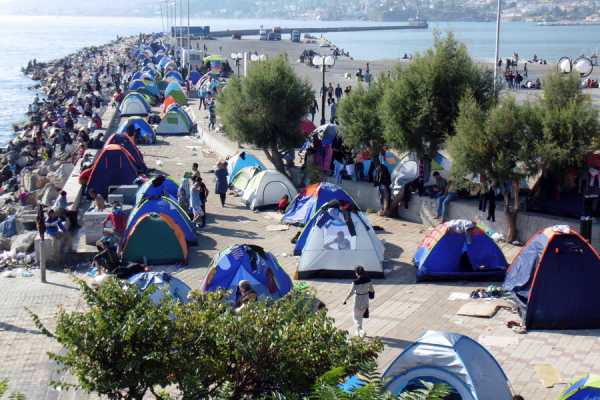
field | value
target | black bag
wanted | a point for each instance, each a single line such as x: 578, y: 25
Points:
x: 371, y: 294
x: 366, y: 314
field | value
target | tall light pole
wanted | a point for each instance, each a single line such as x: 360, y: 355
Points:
x: 324, y: 62
x: 189, y: 38
x: 498, y: 19
x: 237, y: 57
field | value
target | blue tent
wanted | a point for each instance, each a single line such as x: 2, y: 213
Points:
x: 163, y: 205
x: 241, y: 160
x: 136, y: 85
x: 126, y: 142
x: 146, y: 131
x: 586, y: 388
x: 457, y: 250
x: 251, y: 263
x: 164, y: 283
x: 157, y: 187
x: 173, y: 87
x: 554, y: 281
x: 176, y: 75
x: 457, y: 360
x: 136, y: 76
x: 113, y: 166
x: 195, y: 77
x: 311, y: 199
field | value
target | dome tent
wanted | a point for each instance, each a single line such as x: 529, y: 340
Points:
x: 175, y: 90
x: 164, y: 283
x: 146, y: 131
x: 251, y: 263
x: 175, y: 122
x: 241, y: 160
x: 157, y: 187
x: 457, y: 360
x: 459, y: 249
x: 266, y: 189
x: 585, y: 388
x: 113, y: 166
x: 134, y: 104
x: 556, y: 260
x: 155, y: 239
x: 126, y: 142
x: 169, y: 207
x: 306, y: 203
x: 336, y: 241
x: 243, y: 177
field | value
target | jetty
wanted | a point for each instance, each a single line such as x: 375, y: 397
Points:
x: 204, y: 31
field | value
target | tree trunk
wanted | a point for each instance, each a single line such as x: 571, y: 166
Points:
x: 512, y: 213
x: 274, y: 156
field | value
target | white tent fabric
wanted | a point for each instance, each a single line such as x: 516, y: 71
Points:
x: 331, y: 251
x: 455, y: 359
x: 133, y: 105
x: 266, y: 188
x: 173, y: 124
x: 241, y: 180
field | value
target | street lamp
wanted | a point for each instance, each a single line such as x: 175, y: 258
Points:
x: 237, y: 57
x: 256, y: 57
x: 496, y: 59
x: 324, y: 62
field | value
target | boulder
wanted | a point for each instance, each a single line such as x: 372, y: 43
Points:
x: 5, y: 244
x: 23, y: 243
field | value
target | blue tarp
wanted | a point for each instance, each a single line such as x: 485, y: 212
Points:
x: 163, y: 282
x: 251, y: 263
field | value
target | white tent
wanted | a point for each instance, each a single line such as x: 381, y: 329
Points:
x: 266, y: 188
x: 335, y: 242
x: 457, y: 360
x: 134, y: 104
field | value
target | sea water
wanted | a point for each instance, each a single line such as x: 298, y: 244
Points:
x: 47, y: 38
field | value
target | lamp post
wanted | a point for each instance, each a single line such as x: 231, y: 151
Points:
x: 324, y: 62
x: 498, y: 19
x: 237, y: 57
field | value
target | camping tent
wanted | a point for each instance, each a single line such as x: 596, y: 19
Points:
x: 174, y: 76
x: 554, y: 280
x: 146, y: 131
x: 251, y: 263
x: 155, y: 239
x: 585, y: 388
x: 337, y: 240
x: 126, y: 142
x: 134, y: 104
x: 169, y: 207
x: 157, y: 187
x: 308, y: 202
x: 164, y: 283
x: 457, y: 360
x: 167, y: 103
x: 459, y: 249
x: 175, y: 122
x: 241, y: 160
x: 266, y: 188
x: 175, y: 90
x: 243, y: 177
x: 113, y: 166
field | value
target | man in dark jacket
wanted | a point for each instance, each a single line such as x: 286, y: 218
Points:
x: 382, y: 180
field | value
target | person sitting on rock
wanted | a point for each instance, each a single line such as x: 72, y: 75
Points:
x: 54, y: 226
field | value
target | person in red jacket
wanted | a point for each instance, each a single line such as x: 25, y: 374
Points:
x: 283, y: 203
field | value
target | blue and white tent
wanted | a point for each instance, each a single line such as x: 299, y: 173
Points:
x: 241, y: 160
x: 450, y: 358
x: 306, y: 203
x: 164, y: 282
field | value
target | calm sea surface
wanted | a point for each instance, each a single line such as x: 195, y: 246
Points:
x: 46, y: 38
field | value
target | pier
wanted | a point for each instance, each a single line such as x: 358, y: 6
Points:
x: 204, y: 31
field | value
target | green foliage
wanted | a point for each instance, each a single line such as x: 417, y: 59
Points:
x: 570, y: 123
x: 360, y: 123
x: 265, y: 107
x: 4, y: 389
x: 123, y: 345
x: 421, y: 104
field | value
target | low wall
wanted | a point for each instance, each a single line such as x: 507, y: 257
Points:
x: 423, y: 209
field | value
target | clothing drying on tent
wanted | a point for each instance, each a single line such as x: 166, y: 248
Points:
x: 241, y: 160
x: 240, y: 181
x: 175, y: 122
x: 336, y: 241
x: 456, y: 250
x: 266, y: 188
x: 450, y: 358
x: 156, y: 188
x: 113, y: 166
x: 164, y: 205
x: 146, y: 134
x: 126, y: 142
x: 155, y: 239
x: 306, y: 203
x: 251, y: 263
x: 134, y: 104
x: 554, y: 280
x: 585, y: 388
x: 164, y: 283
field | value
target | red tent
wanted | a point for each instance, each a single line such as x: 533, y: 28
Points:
x: 307, y: 127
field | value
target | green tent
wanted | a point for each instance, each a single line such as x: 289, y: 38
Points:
x: 155, y: 239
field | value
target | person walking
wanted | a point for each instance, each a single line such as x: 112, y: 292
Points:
x: 491, y: 200
x: 382, y: 180
x: 203, y: 197
x: 196, y: 203
x: 362, y: 290
x: 212, y: 114
x: 338, y: 92
x: 221, y: 183
x: 333, y: 112
x: 314, y: 108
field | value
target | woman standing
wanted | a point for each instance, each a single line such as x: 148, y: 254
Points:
x: 196, y: 203
x: 221, y: 184
x: 362, y: 289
